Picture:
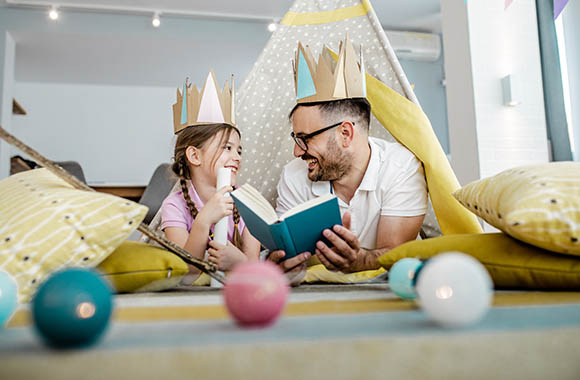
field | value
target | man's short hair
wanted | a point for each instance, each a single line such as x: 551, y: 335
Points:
x: 357, y: 109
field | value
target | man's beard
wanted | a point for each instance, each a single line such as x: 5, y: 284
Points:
x: 332, y: 166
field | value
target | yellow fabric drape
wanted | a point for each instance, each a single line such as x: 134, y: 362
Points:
x: 311, y: 18
x: 410, y: 126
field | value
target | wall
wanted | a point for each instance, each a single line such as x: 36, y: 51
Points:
x: 119, y: 134
x: 7, y: 53
x: 463, y: 145
x: 570, y: 16
x: 98, y: 88
x: 506, y: 42
x: 491, y: 43
x: 426, y: 78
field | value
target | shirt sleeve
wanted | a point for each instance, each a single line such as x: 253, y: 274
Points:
x: 405, y: 194
x: 173, y: 212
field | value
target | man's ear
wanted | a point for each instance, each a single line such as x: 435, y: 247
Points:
x: 346, y: 130
x: 193, y: 155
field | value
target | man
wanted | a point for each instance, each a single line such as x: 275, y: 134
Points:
x: 380, y: 185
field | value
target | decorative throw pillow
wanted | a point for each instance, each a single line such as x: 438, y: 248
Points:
x: 139, y: 267
x: 47, y: 225
x: 511, y: 263
x: 538, y: 204
x: 319, y: 273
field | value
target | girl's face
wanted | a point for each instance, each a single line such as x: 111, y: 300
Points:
x: 228, y: 155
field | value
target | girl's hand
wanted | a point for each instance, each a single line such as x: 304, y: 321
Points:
x: 217, y: 207
x: 226, y: 257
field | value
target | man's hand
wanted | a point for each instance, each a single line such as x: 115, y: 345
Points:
x: 346, y: 255
x: 294, y: 268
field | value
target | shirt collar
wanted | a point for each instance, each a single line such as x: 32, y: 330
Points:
x: 321, y: 188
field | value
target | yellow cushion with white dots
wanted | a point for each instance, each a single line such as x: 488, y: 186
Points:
x: 47, y: 225
x: 537, y: 204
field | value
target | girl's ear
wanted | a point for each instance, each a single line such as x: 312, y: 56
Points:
x: 193, y: 155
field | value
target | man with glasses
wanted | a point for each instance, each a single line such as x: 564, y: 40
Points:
x: 380, y: 185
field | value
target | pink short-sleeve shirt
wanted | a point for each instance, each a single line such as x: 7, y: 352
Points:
x: 175, y: 213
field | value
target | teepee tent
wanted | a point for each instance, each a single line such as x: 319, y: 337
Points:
x: 267, y: 95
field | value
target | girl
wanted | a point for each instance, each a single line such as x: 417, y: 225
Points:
x: 188, y: 215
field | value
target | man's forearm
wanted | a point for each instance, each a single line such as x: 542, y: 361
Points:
x: 368, y: 259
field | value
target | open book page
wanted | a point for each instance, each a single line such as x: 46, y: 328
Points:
x: 252, y: 198
x: 306, y: 205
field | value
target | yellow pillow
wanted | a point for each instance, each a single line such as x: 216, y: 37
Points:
x: 538, y: 204
x: 511, y: 263
x: 47, y: 225
x: 139, y: 267
x: 317, y: 273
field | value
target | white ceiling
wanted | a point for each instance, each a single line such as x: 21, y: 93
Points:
x: 75, y: 50
x: 392, y: 13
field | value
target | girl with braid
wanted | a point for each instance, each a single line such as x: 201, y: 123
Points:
x: 189, y: 215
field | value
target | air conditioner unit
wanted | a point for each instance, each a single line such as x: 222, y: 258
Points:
x: 415, y: 46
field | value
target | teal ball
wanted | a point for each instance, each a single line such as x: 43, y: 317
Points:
x: 72, y: 308
x: 8, y: 297
x: 402, y: 277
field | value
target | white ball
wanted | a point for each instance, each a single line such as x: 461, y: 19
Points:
x: 454, y: 289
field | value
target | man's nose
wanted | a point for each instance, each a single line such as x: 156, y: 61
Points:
x: 298, y: 152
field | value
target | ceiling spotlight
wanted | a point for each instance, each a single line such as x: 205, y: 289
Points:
x: 272, y: 27
x: 53, y: 13
x: 156, y: 21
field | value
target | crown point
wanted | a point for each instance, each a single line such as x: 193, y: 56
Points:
x: 304, y: 82
x: 206, y: 107
x: 330, y: 78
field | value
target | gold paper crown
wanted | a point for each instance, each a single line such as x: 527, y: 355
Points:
x: 328, y: 80
x: 211, y: 106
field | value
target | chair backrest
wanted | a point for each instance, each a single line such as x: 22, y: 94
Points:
x: 159, y: 186
x: 73, y: 168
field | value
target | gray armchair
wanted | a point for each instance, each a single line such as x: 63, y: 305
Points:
x: 159, y: 186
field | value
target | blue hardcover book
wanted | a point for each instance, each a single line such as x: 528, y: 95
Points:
x: 297, y: 230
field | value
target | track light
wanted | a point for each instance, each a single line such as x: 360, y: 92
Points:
x: 156, y: 21
x: 53, y: 13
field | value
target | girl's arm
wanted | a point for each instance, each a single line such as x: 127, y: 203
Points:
x: 194, y: 242
x: 226, y: 257
x: 250, y: 245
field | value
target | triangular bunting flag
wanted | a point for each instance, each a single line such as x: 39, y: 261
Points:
x: 559, y: 7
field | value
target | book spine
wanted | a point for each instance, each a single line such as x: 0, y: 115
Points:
x: 283, y: 238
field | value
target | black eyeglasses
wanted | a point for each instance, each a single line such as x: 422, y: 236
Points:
x: 301, y: 139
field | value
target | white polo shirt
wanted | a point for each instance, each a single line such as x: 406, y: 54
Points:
x: 393, y: 184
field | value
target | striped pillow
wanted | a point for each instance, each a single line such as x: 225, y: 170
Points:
x: 46, y: 225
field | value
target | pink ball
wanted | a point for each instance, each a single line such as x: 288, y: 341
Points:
x: 255, y: 293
